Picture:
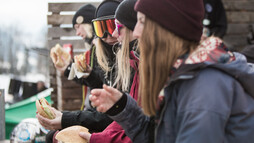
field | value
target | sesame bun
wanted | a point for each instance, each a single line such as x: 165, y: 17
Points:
x: 71, y: 134
x: 80, y: 62
x: 59, y: 55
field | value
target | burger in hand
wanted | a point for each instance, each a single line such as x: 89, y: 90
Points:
x: 44, y: 109
x: 59, y: 56
x: 71, y: 134
x: 80, y: 62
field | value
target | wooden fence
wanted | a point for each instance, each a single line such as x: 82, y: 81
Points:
x: 240, y: 14
x: 67, y: 95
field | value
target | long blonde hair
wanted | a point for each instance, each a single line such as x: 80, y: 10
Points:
x: 158, y: 53
x: 123, y: 72
x: 102, y: 59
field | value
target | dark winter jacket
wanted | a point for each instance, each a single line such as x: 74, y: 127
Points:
x: 204, y: 103
x: 95, y: 78
x: 90, y: 118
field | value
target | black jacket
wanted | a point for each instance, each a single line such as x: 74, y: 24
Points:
x: 95, y: 78
x: 90, y: 118
x: 215, y: 13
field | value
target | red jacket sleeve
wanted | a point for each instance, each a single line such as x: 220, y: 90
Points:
x: 114, y: 133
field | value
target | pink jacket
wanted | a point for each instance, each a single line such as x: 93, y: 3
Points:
x: 114, y: 133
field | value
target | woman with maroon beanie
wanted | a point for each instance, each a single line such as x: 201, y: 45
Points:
x: 197, y: 92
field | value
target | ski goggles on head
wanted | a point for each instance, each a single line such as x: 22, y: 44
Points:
x: 118, y: 27
x: 103, y: 26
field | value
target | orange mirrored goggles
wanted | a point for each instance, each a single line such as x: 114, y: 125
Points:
x: 103, y: 26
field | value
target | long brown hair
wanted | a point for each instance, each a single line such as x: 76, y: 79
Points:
x: 102, y: 59
x: 159, y: 50
x: 123, y: 64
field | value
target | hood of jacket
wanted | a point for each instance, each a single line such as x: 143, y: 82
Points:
x: 217, y: 56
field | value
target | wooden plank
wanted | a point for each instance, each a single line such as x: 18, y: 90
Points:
x: 59, y: 91
x: 72, y: 96
x: 53, y: 80
x: 235, y: 42
x: 238, y: 5
x: 56, y: 19
x: 239, y: 17
x: 252, y: 17
x: 76, y: 44
x: 68, y: 83
x: 54, y: 96
x: 54, y: 89
x: 52, y: 68
x: 59, y: 32
x: 71, y: 93
x: 72, y: 105
x: 54, y: 99
x: 59, y: 7
x: 242, y: 28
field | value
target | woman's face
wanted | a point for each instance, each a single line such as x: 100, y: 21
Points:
x: 119, y: 32
x: 80, y: 30
x: 140, y: 25
x: 109, y: 40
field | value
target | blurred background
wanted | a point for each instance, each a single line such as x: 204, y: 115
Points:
x: 24, y: 47
x: 23, y: 39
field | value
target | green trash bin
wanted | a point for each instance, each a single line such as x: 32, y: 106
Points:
x: 22, y: 110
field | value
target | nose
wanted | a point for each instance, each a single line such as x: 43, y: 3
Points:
x: 136, y: 33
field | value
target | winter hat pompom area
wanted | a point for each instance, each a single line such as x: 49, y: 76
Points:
x: 84, y: 15
x: 183, y: 18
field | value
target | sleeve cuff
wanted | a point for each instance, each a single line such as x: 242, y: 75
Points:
x: 67, y: 119
x: 67, y: 70
x: 118, y: 107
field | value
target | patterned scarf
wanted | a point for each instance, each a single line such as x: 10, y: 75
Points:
x: 210, y: 51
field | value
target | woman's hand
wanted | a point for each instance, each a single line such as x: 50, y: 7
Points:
x: 104, y: 99
x: 85, y: 135
x: 51, y: 124
x: 65, y: 65
x: 60, y: 62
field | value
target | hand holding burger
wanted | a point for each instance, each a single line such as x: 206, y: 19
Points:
x: 72, y: 135
x: 44, y: 109
x: 50, y: 124
x: 80, y: 63
x: 60, y: 57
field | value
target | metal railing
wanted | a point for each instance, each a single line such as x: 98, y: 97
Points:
x: 2, y: 115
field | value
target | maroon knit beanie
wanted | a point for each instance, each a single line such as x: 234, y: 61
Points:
x: 182, y: 17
